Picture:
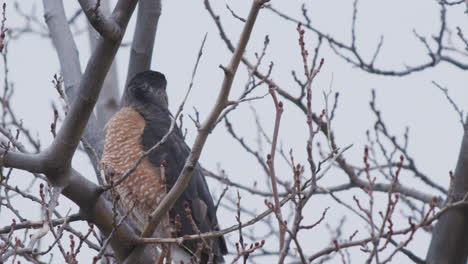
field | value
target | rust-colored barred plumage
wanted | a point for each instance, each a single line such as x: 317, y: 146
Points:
x: 122, y: 149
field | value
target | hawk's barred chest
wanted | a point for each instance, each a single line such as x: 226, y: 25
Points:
x: 122, y: 149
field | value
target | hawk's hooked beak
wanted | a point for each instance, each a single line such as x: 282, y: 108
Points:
x: 161, y: 97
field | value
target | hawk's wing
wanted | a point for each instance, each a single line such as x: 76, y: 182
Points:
x: 197, y: 195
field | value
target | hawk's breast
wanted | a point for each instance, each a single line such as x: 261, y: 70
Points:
x: 122, y: 149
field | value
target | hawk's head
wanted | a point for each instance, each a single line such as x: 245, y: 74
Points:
x: 147, y: 89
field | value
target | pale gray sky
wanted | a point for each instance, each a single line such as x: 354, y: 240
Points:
x: 412, y: 101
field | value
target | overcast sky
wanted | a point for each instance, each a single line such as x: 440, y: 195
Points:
x: 435, y: 131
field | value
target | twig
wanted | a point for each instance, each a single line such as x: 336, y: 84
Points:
x: 3, y: 29
x: 234, y: 14
x: 271, y: 168
x: 452, y: 103
x: 46, y: 215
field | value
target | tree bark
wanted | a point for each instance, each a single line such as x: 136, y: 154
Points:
x: 449, y: 243
x: 108, y: 101
x: 146, y: 26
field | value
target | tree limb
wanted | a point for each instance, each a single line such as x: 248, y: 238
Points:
x: 62, y: 38
x: 449, y: 242
x: 141, y: 52
x: 108, y: 27
x: 108, y: 101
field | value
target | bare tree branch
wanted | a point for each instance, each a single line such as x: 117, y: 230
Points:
x: 449, y: 242
x: 141, y: 53
x: 64, y: 43
x: 271, y: 168
x: 350, y: 53
x: 108, y: 102
x: 108, y: 27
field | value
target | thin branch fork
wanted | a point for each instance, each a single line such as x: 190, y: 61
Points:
x: 428, y: 219
x: 37, y: 224
x: 107, y: 27
x: 356, y: 59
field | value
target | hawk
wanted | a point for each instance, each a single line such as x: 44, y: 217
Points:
x: 142, y: 121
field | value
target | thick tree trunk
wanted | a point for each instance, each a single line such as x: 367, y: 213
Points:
x: 449, y: 243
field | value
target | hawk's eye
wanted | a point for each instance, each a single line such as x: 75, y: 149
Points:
x: 144, y: 88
